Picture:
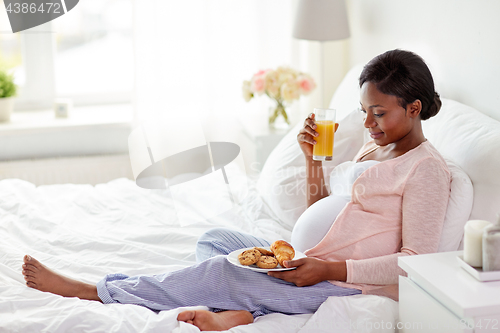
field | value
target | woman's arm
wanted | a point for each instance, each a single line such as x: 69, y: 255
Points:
x: 315, y: 184
x: 315, y: 189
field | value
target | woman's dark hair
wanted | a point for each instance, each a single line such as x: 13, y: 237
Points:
x: 406, y: 76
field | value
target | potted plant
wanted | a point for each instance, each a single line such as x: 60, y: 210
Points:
x: 7, y: 92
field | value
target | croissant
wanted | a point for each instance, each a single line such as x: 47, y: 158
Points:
x: 282, y: 251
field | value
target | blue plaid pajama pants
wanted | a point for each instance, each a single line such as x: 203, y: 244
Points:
x: 218, y: 284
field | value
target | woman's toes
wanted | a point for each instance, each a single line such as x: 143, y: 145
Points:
x: 29, y: 278
x: 29, y: 260
x: 28, y: 274
x: 30, y: 268
x: 186, y: 316
x: 31, y: 284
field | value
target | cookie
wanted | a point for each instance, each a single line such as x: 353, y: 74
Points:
x: 264, y: 252
x: 249, y: 257
x: 267, y: 262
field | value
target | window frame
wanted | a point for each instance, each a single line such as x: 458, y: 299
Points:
x: 38, y: 92
x: 37, y: 52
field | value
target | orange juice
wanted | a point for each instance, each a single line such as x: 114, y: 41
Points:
x: 324, y: 141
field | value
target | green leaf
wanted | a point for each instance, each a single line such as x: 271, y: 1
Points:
x: 7, y: 86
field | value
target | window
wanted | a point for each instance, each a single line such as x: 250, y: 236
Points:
x: 94, y: 53
x: 85, y: 55
x: 10, y: 45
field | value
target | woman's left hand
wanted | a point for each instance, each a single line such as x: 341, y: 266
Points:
x: 309, y: 271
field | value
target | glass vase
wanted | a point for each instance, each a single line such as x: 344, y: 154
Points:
x: 278, y: 118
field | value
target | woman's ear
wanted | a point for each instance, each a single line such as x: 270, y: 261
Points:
x: 414, y: 108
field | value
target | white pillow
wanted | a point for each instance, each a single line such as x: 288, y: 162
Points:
x: 472, y: 140
x: 346, y: 97
x: 282, y: 182
x: 459, y: 208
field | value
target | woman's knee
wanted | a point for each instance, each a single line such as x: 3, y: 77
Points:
x: 210, y: 243
x: 212, y: 234
x: 210, y: 237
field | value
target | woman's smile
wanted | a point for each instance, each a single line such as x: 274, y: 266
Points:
x: 376, y: 135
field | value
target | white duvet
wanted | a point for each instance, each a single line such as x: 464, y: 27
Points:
x: 86, y: 232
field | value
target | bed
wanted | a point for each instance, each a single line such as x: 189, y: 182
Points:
x: 86, y: 231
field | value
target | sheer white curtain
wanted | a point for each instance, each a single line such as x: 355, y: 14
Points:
x: 192, y: 56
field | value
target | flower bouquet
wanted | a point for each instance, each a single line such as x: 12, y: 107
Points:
x: 283, y: 85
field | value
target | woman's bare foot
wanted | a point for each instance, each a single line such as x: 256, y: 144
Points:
x: 219, y: 321
x: 39, y: 277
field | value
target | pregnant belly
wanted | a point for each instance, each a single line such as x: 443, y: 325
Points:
x: 315, y: 222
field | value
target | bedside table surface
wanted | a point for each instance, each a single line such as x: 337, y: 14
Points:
x: 442, y: 277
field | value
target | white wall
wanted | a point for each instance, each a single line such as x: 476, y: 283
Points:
x: 336, y: 65
x: 459, y: 40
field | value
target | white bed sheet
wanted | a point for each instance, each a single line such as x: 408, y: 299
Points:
x: 86, y: 232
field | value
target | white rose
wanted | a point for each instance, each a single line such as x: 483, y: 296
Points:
x: 285, y: 74
x: 272, y: 83
x: 290, y: 90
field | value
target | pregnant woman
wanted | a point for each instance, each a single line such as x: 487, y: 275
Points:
x: 399, y: 188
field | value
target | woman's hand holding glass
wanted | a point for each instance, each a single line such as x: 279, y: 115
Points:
x: 307, y: 135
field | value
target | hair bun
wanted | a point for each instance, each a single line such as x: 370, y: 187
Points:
x: 433, y: 108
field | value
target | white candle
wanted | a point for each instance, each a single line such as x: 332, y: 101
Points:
x: 473, y: 242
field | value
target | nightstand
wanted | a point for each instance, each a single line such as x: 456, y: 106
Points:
x: 440, y: 296
x: 257, y: 145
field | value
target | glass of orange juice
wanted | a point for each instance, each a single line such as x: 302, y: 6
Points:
x: 325, y: 126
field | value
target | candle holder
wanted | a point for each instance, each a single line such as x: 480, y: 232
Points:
x: 491, y: 246
x: 478, y: 272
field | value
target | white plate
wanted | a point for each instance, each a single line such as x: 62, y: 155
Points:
x: 478, y: 272
x: 233, y: 259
